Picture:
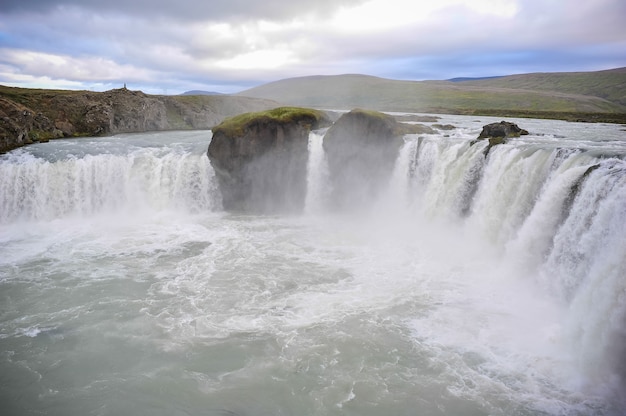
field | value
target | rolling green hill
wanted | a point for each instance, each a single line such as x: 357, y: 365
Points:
x: 610, y: 84
x: 557, y: 95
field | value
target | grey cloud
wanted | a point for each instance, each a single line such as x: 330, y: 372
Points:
x: 171, y: 44
x: 186, y: 9
x: 583, y: 22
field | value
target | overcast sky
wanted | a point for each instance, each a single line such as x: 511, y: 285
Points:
x: 171, y: 46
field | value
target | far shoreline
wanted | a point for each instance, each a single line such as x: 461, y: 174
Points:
x: 578, y: 117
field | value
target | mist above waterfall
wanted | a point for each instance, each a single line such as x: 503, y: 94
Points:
x: 465, y: 284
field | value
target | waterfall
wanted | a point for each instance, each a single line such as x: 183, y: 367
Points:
x: 586, y: 267
x: 534, y: 237
x: 558, y: 216
x: 317, y: 174
x: 48, y: 187
x: 553, y: 210
x: 512, y: 180
x: 398, y: 192
x: 452, y: 176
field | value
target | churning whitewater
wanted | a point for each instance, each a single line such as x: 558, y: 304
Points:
x: 480, y: 282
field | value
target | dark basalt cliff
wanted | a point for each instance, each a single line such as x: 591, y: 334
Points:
x: 260, y: 159
x: 28, y: 116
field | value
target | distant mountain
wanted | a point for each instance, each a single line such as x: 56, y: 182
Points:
x: 586, y: 92
x: 199, y: 92
x: 464, y: 79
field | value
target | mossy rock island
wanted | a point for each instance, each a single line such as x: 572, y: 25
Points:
x: 498, y: 133
x: 260, y: 158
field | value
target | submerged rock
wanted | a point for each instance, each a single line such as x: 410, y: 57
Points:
x: 361, y: 149
x: 260, y: 159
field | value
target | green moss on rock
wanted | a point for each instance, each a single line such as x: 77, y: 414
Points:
x: 236, y: 126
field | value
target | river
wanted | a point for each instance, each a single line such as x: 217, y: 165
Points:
x: 473, y: 286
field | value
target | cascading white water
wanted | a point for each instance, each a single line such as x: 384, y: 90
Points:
x: 587, y: 267
x: 512, y: 180
x: 398, y: 192
x: 477, y: 285
x: 317, y: 175
x: 47, y: 186
x: 454, y: 175
x: 554, y: 225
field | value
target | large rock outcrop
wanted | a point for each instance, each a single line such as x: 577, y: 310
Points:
x: 28, y: 115
x: 502, y: 130
x: 361, y: 148
x: 19, y: 126
x: 260, y: 159
x: 498, y: 133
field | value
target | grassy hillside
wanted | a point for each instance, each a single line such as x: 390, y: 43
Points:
x: 610, y: 84
x: 557, y: 94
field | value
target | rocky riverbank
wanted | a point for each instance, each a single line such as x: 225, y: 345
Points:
x: 30, y: 115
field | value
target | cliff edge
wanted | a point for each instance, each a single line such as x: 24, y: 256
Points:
x: 31, y: 115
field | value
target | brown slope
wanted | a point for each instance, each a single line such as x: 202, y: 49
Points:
x: 28, y: 115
